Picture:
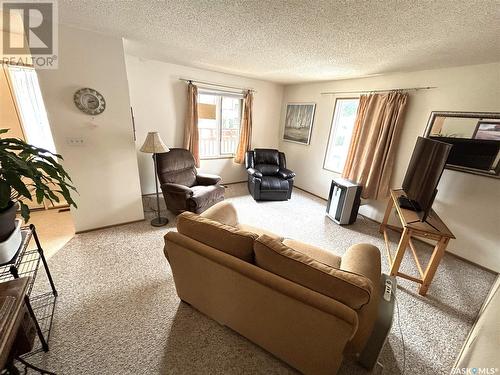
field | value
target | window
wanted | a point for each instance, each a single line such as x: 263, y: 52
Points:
x: 344, y: 117
x: 219, y: 119
x: 29, y: 101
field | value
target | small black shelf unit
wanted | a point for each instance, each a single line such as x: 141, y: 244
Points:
x: 26, y: 263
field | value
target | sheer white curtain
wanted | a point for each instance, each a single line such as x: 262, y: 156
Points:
x: 31, y: 108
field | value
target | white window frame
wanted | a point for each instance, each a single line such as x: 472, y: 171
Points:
x: 220, y: 95
x: 333, y: 129
x: 30, y: 106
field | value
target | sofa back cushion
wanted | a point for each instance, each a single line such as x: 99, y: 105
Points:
x: 231, y: 240
x: 351, y: 289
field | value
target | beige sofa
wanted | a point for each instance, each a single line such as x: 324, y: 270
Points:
x: 307, y: 306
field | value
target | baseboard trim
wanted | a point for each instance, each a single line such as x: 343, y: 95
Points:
x: 234, y: 183
x: 471, y: 262
x: 109, y: 226
x: 446, y: 251
x: 308, y: 192
x: 224, y: 184
x: 417, y: 239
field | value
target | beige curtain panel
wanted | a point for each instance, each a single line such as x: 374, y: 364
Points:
x: 245, y: 129
x: 374, y: 142
x: 191, y: 136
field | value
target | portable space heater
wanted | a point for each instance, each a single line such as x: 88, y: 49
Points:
x: 343, y: 201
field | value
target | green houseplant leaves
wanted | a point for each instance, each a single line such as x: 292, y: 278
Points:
x: 32, y: 173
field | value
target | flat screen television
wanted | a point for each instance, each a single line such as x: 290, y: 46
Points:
x: 423, y: 174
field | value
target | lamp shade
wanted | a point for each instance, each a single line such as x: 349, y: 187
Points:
x: 154, y: 144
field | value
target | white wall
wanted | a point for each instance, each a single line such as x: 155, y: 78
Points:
x: 159, y: 102
x: 104, y: 169
x: 469, y: 204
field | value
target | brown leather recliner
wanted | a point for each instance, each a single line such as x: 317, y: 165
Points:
x: 184, y: 189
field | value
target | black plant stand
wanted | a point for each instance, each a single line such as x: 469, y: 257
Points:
x: 41, y: 306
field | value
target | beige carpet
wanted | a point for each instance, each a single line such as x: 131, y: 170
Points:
x: 118, y: 312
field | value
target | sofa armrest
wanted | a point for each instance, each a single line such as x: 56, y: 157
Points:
x: 321, y: 274
x: 207, y: 179
x: 363, y: 259
x: 177, y: 189
x: 254, y: 173
x: 286, y: 173
x: 222, y: 212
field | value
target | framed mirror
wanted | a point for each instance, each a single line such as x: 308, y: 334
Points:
x: 475, y: 137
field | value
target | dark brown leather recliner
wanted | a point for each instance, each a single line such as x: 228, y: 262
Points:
x: 268, y: 177
x: 184, y: 189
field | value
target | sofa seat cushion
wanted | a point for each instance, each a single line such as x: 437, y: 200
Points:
x: 317, y: 253
x: 351, y: 289
x: 273, y: 183
x: 228, y: 239
x: 204, y: 197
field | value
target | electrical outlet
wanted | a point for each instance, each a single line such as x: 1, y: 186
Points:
x: 75, y: 141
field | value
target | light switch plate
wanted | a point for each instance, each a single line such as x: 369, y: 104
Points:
x: 75, y: 141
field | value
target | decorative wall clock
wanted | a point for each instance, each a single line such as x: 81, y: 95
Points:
x: 89, y: 101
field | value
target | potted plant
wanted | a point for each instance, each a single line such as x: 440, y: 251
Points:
x: 28, y: 172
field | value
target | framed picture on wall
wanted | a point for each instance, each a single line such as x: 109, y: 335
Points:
x: 298, y: 122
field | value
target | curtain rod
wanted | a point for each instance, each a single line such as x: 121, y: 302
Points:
x: 216, y: 85
x: 386, y: 90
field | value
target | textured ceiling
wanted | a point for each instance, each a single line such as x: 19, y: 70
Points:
x: 293, y: 41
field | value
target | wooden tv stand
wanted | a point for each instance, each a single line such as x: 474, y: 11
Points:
x: 412, y: 227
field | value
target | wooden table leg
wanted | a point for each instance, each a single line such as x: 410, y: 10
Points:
x: 400, y: 252
x: 388, y: 210
x: 437, y: 254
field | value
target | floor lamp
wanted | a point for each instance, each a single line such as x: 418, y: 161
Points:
x: 154, y: 145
